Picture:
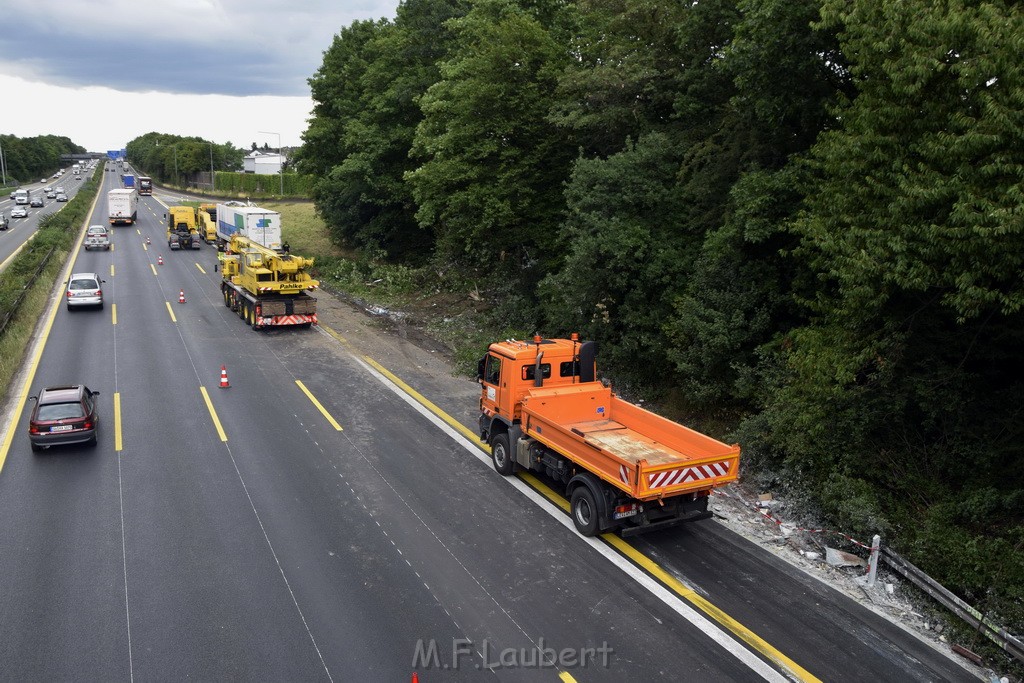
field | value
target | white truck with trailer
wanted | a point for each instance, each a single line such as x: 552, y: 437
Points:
x: 261, y: 226
x: 122, y: 206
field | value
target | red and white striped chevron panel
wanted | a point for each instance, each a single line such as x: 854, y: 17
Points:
x: 623, y: 474
x: 687, y: 474
x: 288, y: 319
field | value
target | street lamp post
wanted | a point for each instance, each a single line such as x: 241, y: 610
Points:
x: 176, y: 164
x: 280, y: 157
x: 3, y: 164
x: 212, y: 184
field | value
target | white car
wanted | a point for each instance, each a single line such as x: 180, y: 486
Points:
x: 19, y: 212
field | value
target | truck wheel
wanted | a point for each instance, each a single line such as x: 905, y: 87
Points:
x: 584, y: 511
x: 502, y: 456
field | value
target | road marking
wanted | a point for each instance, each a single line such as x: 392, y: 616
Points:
x: 117, y: 421
x: 567, y: 677
x: 153, y: 268
x: 200, y: 269
x: 213, y: 414
x: 111, y: 270
x: 677, y: 586
x: 144, y: 247
x: 137, y: 231
x: 319, y: 407
x: 113, y: 314
x: 171, y: 311
x: 645, y: 571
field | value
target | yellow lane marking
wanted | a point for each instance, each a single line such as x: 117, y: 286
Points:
x: 144, y: 247
x: 111, y: 246
x: 113, y: 314
x: 153, y: 268
x: 704, y: 605
x: 137, y: 231
x: 111, y: 270
x: 33, y: 363
x: 623, y: 547
x: 319, y: 407
x: 213, y: 414
x: 425, y: 402
x: 117, y: 421
x: 567, y: 677
x: 677, y: 587
x: 171, y: 311
x: 200, y: 269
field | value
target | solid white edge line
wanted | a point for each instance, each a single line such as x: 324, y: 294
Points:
x: 691, y: 615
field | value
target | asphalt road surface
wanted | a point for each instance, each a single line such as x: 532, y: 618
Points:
x: 314, y: 521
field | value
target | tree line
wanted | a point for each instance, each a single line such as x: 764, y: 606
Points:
x: 176, y: 159
x: 805, y: 217
x: 26, y: 160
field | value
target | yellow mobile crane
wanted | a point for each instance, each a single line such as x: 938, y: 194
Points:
x: 267, y: 287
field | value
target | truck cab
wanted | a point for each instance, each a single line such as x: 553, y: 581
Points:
x: 512, y: 368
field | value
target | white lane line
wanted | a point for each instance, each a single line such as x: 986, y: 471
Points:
x: 707, y: 627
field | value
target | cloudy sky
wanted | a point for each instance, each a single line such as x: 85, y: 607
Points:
x: 103, y: 72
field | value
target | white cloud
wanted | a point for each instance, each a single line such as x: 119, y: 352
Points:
x: 101, y: 72
x: 101, y: 118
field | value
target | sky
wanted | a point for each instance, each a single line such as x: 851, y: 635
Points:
x: 103, y: 72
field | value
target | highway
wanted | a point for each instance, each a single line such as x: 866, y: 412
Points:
x: 20, y: 229
x: 315, y: 521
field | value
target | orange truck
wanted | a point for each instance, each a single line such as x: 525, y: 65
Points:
x: 542, y: 409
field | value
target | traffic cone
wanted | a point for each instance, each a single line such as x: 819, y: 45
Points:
x: 415, y: 677
x: 181, y: 296
x: 159, y: 260
x: 224, y: 377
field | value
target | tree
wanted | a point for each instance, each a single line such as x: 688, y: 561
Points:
x: 490, y: 185
x: 907, y: 382
x: 376, y: 138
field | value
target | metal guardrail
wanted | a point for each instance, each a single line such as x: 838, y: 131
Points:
x: 998, y: 635
x: 24, y: 290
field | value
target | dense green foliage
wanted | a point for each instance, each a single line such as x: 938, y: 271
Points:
x: 804, y: 215
x: 26, y: 160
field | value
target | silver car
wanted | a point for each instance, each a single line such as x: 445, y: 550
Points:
x: 85, y: 289
x: 96, y: 238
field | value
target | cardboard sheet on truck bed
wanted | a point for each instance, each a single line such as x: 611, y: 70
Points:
x: 623, y: 442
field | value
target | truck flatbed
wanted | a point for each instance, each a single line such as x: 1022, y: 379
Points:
x: 632, y: 449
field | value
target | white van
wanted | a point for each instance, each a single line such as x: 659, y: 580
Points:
x: 21, y: 196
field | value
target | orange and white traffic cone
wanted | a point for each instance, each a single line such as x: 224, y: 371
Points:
x: 159, y: 260
x: 181, y: 296
x: 224, y: 377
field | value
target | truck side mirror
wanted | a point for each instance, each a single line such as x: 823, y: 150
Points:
x: 480, y: 369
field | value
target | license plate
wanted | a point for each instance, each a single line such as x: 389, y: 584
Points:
x: 625, y: 512
x: 61, y: 428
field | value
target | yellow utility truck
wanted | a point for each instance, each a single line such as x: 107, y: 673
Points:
x: 181, y: 228
x: 267, y: 288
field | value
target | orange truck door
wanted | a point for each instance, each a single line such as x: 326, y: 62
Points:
x: 491, y: 382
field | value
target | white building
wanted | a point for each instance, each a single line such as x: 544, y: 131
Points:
x: 266, y: 163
